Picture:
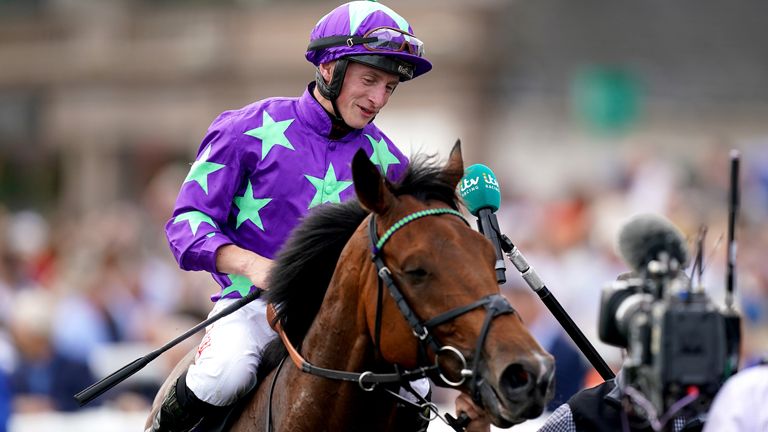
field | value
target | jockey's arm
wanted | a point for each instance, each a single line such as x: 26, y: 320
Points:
x: 234, y: 259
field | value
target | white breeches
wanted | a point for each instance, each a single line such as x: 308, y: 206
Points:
x: 225, y: 364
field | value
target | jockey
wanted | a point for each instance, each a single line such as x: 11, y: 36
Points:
x: 261, y: 168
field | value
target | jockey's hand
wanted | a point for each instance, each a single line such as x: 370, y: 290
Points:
x: 236, y: 260
x: 479, y: 420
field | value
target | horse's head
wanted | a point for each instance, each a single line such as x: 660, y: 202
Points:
x: 444, y: 271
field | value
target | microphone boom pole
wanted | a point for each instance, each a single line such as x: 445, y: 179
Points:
x: 534, y: 281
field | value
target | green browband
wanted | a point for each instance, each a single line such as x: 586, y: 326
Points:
x: 410, y: 218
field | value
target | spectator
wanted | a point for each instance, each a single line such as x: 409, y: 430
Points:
x: 42, y: 379
x: 5, y: 400
x: 5, y: 387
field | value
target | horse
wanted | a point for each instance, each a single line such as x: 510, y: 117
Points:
x: 351, y: 346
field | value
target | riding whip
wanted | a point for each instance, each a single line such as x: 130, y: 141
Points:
x: 97, y: 389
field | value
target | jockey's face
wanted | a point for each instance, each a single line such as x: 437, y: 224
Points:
x: 365, y: 92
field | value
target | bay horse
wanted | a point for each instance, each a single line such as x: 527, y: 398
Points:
x: 443, y: 316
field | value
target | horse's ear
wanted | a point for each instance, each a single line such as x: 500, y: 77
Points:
x: 370, y: 185
x: 454, y: 169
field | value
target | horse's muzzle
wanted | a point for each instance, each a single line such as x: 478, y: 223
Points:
x: 522, y: 391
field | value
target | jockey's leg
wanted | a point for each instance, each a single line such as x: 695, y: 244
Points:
x: 225, y: 365
x: 181, y: 409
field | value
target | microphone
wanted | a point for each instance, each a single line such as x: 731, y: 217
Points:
x: 650, y: 238
x: 480, y: 191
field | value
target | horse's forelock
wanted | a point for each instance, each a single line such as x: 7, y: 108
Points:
x: 426, y: 181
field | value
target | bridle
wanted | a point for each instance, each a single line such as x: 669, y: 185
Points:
x: 494, y: 305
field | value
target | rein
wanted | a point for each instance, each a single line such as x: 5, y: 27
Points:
x: 366, y: 380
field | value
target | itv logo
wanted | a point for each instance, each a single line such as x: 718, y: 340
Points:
x: 488, y: 179
x: 468, y: 183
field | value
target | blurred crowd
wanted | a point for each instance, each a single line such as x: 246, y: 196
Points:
x: 81, y: 297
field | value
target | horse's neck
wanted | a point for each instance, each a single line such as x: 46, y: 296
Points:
x: 338, y: 337
x: 338, y: 340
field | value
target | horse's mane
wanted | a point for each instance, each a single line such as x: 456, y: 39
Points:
x: 304, y: 266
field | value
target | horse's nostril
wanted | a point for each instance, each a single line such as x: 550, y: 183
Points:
x: 515, y: 377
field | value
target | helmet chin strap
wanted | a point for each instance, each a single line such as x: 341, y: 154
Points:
x: 332, y: 89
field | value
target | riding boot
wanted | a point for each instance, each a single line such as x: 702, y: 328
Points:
x: 181, y: 409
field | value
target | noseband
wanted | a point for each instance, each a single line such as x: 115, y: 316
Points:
x: 494, y: 305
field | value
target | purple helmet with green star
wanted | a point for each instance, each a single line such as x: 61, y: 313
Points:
x: 370, y: 33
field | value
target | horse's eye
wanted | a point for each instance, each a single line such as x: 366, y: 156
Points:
x: 416, y: 273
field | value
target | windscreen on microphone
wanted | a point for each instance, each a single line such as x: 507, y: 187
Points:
x: 479, y: 189
x: 645, y: 236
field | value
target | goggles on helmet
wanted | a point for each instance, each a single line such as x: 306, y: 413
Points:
x: 379, y: 39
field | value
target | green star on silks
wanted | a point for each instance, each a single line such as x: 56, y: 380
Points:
x: 381, y: 155
x: 249, y: 207
x: 201, y: 168
x: 328, y: 188
x: 271, y: 133
x: 195, y: 218
x: 240, y: 284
